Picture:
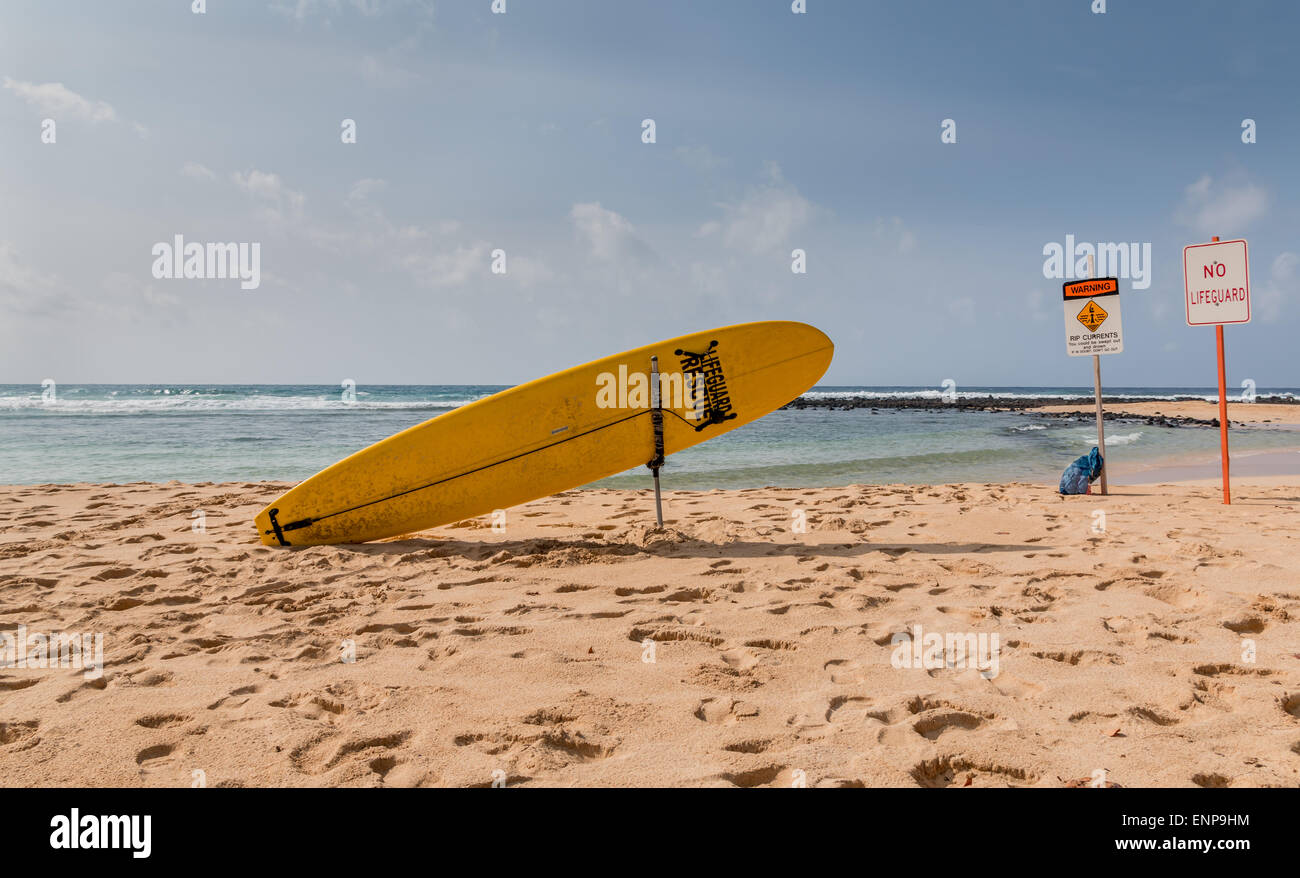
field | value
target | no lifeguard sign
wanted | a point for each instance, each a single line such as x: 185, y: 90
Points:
x: 1216, y: 278
x: 1216, y: 284
x: 1092, y: 317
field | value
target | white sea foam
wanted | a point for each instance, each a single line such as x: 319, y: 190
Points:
x: 1089, y: 437
x: 163, y: 401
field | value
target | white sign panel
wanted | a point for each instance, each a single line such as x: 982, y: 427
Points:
x: 1092, y: 317
x: 1216, y: 279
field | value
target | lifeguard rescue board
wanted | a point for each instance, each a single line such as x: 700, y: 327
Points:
x: 552, y: 434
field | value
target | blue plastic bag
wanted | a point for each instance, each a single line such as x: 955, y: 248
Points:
x: 1082, y: 473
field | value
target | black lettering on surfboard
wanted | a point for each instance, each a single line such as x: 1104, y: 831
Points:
x: 705, y: 370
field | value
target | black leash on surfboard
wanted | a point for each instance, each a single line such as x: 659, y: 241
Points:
x: 657, y: 418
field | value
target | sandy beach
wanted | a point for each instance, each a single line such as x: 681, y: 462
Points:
x: 1124, y: 641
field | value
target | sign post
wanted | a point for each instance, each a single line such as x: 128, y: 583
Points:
x: 1101, y: 419
x: 1216, y: 283
x: 657, y: 421
x: 1093, y: 327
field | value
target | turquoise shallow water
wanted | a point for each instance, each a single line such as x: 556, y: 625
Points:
x: 192, y: 433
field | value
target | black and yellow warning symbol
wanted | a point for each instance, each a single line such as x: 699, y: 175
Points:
x: 1093, y: 316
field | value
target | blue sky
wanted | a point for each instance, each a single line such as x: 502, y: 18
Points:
x: 523, y: 131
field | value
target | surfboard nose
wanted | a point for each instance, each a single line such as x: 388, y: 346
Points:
x: 819, y: 347
x: 794, y: 358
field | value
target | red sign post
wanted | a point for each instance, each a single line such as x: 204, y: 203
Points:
x: 1216, y: 282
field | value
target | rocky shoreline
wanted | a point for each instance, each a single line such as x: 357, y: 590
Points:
x: 1090, y: 415
x: 1022, y: 404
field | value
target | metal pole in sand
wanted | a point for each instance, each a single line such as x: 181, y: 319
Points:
x: 1223, y: 409
x: 1096, y: 387
x: 657, y: 418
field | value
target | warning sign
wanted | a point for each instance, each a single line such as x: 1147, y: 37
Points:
x: 1092, y: 317
x: 1097, y: 286
x: 1216, y: 279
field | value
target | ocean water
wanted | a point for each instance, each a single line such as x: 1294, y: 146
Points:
x: 194, y: 433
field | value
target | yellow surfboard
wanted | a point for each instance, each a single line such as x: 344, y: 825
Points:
x: 552, y: 434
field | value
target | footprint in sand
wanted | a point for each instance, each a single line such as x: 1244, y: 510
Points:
x: 16, y: 736
x: 750, y: 745
x: 845, y: 671
x: 740, y: 659
x: 319, y: 755
x: 960, y: 771
x: 724, y: 711
x: 96, y: 685
x: 763, y: 776
x: 1248, y: 623
x: 1081, y: 657
x: 933, y: 724
x: 157, y: 678
x: 686, y: 595
x: 161, y: 765
x: 848, y: 708
x: 766, y: 643
x: 161, y: 720
x: 1153, y: 716
x: 1222, y: 668
x: 236, y: 694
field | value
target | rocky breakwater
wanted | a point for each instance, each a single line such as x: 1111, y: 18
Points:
x: 1030, y: 405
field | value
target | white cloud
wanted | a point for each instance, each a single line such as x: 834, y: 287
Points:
x: 528, y: 272
x: 26, y: 291
x: 362, y: 189
x: 14, y: 275
x: 269, y: 188
x: 1283, y: 284
x: 261, y: 184
x: 428, y: 252
x: 197, y: 171
x: 56, y: 100
x: 1285, y: 266
x: 1221, y: 209
x: 378, y: 229
x: 449, y: 267
x: 766, y: 217
x: 609, y: 235
x: 301, y: 10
